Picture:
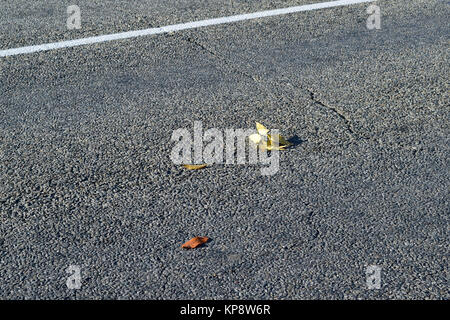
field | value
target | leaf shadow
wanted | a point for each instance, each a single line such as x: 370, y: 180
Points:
x: 296, y: 141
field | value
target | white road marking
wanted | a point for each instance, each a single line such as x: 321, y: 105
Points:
x: 177, y: 27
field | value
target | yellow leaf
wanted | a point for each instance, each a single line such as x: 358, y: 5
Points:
x: 194, y: 166
x: 263, y: 146
x: 276, y: 148
x: 261, y: 129
x: 267, y: 145
x: 255, y: 138
x: 281, y: 141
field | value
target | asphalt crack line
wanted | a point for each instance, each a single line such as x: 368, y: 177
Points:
x: 339, y: 113
x: 259, y: 83
x: 221, y: 58
x: 237, y: 69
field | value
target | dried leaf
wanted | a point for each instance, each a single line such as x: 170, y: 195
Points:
x: 267, y: 145
x: 263, y: 146
x: 281, y: 141
x: 194, y: 166
x: 195, y: 242
x: 270, y: 142
x: 276, y: 148
x: 255, y: 138
x: 261, y: 129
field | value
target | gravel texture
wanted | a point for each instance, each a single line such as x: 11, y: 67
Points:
x: 86, y: 178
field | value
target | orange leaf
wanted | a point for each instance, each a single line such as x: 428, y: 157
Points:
x: 194, y: 166
x: 195, y: 242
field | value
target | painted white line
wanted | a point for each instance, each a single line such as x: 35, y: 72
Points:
x: 177, y: 27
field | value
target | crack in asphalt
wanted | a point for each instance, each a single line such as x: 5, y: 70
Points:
x: 255, y: 79
x: 312, y: 94
x: 339, y: 113
x: 220, y: 57
x: 315, y: 234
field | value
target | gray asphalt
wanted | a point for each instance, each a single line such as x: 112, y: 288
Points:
x: 86, y: 178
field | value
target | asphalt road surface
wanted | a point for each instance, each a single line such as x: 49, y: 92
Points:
x: 85, y: 139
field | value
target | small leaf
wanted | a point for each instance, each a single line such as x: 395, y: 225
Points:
x: 255, y: 138
x: 281, y: 141
x: 263, y: 146
x: 267, y: 145
x: 261, y: 129
x: 276, y: 148
x: 194, y: 166
x: 195, y: 242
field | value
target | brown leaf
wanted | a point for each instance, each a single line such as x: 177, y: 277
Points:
x: 194, y: 166
x: 195, y: 242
